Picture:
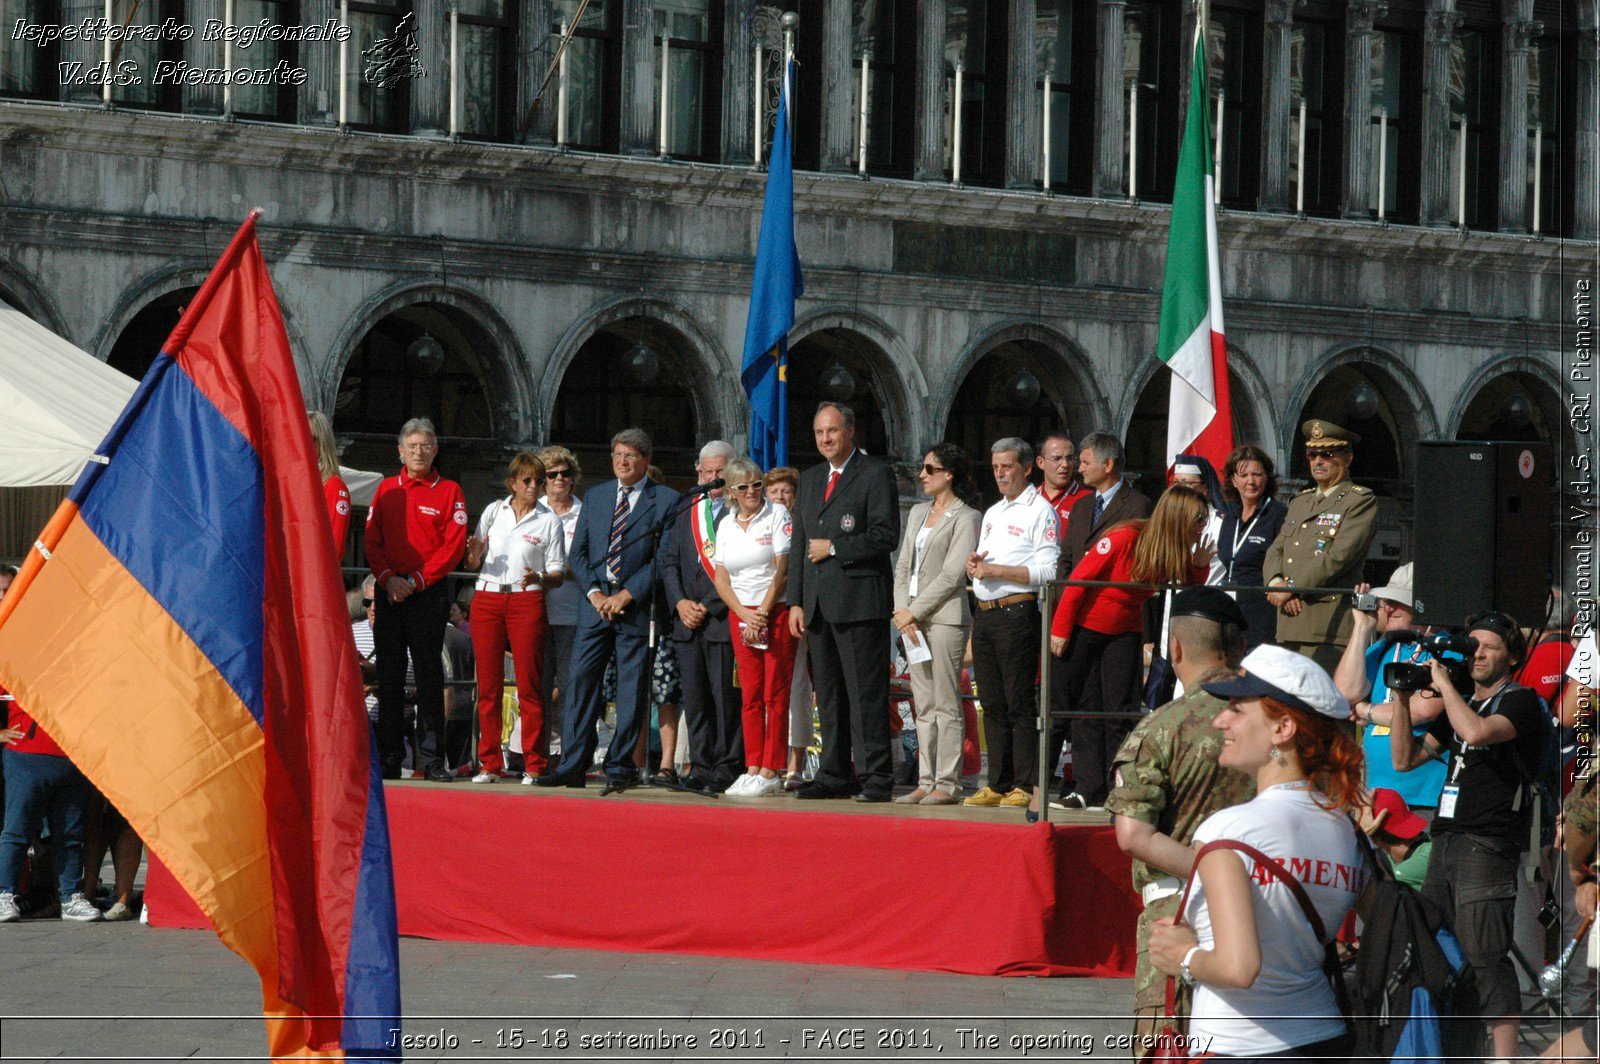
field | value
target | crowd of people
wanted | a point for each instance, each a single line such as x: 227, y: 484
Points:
x: 1269, y: 732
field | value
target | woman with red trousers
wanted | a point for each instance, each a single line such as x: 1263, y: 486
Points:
x: 523, y: 552
x: 752, y: 556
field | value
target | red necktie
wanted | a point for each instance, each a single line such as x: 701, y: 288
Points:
x: 833, y: 478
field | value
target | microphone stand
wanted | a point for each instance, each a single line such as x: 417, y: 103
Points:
x: 655, y: 532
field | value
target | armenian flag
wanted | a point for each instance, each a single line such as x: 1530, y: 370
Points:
x: 180, y: 628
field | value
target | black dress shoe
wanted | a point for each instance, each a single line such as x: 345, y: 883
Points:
x: 618, y: 784
x: 557, y: 779
x: 818, y: 790
x: 874, y: 794
x: 439, y: 774
x: 697, y: 785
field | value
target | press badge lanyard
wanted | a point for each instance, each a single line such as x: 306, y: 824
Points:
x: 1452, y: 789
x: 1239, y: 536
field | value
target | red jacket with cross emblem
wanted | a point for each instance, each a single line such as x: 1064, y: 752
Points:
x: 416, y: 528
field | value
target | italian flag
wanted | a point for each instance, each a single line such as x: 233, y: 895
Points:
x: 1191, y: 341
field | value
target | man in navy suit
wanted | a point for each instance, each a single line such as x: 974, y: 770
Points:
x: 611, y: 561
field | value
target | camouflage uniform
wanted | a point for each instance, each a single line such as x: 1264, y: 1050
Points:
x: 1581, y: 810
x: 1167, y: 775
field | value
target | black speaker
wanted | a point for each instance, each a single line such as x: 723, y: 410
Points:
x: 1481, y: 534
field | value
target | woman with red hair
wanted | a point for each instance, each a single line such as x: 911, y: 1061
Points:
x: 1251, y: 944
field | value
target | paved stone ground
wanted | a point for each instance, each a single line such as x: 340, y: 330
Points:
x: 92, y: 992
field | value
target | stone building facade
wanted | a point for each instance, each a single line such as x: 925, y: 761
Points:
x: 520, y: 291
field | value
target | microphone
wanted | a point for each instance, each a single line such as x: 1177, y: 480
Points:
x: 710, y: 485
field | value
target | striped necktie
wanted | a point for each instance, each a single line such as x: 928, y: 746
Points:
x: 619, y: 521
x: 1099, y: 509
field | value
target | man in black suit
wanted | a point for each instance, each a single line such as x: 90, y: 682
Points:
x: 1112, y: 501
x: 841, y: 591
x: 703, y: 644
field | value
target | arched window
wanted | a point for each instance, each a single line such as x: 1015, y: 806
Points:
x: 1514, y: 406
x: 140, y: 341
x: 1146, y: 441
x: 845, y: 367
x: 1367, y: 400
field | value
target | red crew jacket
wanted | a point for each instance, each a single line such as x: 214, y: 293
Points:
x: 416, y: 528
x: 35, y: 740
x: 1107, y: 610
x: 337, y: 493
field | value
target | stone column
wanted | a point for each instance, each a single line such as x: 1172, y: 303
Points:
x: 203, y: 55
x: 317, y: 101
x: 536, y: 52
x: 1023, y: 112
x: 1111, y: 103
x: 1518, y: 32
x: 1279, y: 132
x: 1359, y: 195
x: 639, y: 105
x: 90, y: 53
x: 930, y: 162
x: 430, y: 93
x: 838, y: 86
x: 1586, y: 113
x: 1439, y: 152
x: 738, y: 80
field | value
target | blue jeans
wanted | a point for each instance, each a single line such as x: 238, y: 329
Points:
x: 41, y: 787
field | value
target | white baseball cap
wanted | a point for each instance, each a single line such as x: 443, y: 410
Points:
x: 1399, y: 589
x: 1290, y: 678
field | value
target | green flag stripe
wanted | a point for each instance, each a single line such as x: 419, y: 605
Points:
x: 1185, y: 291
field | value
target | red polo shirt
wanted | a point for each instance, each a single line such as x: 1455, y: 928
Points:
x: 35, y: 740
x: 416, y: 528
x: 1062, y: 504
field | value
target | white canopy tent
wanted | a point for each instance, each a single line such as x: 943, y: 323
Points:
x: 57, y: 403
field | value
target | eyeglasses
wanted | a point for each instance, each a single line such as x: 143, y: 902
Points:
x: 754, y: 485
x: 626, y: 456
x: 932, y: 469
x: 559, y: 474
x: 419, y: 448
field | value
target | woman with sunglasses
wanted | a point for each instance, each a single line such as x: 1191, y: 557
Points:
x: 751, y: 573
x: 562, y: 475
x: 930, y: 608
x: 521, y: 550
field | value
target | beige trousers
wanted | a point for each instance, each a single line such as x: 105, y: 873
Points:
x: 936, y: 697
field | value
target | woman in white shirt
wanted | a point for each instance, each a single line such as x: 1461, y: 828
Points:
x: 521, y: 550
x: 752, y: 554
x: 562, y: 474
x: 1246, y: 944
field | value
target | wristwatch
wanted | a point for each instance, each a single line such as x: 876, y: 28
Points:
x: 1183, y: 966
x: 832, y: 550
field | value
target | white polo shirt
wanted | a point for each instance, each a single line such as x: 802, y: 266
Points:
x: 1021, y: 531
x: 535, y: 544
x: 750, y: 553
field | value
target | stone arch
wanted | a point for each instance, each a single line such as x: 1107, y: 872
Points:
x: 716, y: 409
x: 1533, y: 367
x: 1072, y: 360
x: 29, y: 296
x: 898, y: 377
x: 505, y: 369
x: 1405, y: 408
x: 1253, y: 416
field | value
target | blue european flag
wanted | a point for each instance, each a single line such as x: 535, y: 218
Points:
x: 776, y: 286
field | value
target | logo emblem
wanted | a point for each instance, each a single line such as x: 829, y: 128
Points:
x: 343, y: 506
x: 1316, y: 430
x: 788, y: 528
x: 1104, y: 546
x: 847, y: 523
x: 461, y: 517
x: 1525, y: 464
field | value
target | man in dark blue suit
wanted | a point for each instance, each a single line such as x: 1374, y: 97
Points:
x: 611, y: 561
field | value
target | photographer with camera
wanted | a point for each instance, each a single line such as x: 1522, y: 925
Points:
x: 1494, y: 739
x: 1383, y: 633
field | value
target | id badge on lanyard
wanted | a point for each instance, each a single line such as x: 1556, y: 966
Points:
x: 1447, y: 800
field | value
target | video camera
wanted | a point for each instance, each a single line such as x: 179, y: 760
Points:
x: 1413, y: 676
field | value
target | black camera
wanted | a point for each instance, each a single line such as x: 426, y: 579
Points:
x: 1413, y: 676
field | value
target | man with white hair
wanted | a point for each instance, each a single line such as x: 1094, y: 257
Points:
x: 702, y: 640
x: 416, y: 535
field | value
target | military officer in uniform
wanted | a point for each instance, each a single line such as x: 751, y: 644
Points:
x: 1167, y: 780
x: 1323, y: 543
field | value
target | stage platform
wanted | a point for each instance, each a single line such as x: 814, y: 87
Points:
x: 974, y: 891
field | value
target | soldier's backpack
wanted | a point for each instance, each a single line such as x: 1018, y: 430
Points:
x: 1405, y: 977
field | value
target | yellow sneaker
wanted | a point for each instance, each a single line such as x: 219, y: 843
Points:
x: 987, y: 797
x: 1017, y: 799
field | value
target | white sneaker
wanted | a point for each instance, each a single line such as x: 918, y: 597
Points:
x: 80, y: 909
x: 486, y: 777
x: 527, y: 779
x: 118, y: 912
x: 740, y: 788
x: 9, y: 910
x: 766, y: 788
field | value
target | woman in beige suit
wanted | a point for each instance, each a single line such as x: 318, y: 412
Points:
x: 930, y: 600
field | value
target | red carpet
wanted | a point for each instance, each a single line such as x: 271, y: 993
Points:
x: 882, y: 891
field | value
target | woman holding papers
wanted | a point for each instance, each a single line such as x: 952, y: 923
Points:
x: 752, y: 568
x: 931, y: 612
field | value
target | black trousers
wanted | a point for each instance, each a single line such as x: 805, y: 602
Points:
x: 1099, y: 674
x: 850, y: 668
x: 417, y: 625
x: 710, y: 706
x: 1005, y: 662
